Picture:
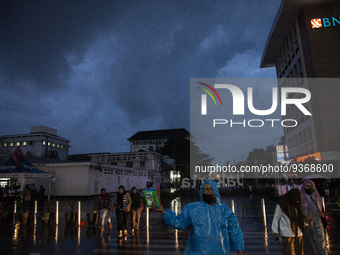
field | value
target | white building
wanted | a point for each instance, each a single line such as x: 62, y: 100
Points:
x: 154, y: 139
x: 108, y: 170
x: 86, y: 179
x: 42, y: 141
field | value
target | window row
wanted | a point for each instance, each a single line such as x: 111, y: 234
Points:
x: 158, y: 141
x: 289, y: 51
x: 49, y: 144
x: 56, y: 145
x: 301, y: 151
x: 300, y: 138
x: 124, y: 172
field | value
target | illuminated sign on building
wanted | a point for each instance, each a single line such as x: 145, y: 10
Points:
x: 315, y: 156
x: 325, y: 22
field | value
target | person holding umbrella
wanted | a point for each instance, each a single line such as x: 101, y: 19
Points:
x: 314, y: 235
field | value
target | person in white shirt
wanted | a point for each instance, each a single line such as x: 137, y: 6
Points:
x: 289, y: 219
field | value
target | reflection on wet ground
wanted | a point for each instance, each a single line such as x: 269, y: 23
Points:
x: 156, y: 239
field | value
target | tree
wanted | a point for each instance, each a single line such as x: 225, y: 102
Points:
x: 178, y: 148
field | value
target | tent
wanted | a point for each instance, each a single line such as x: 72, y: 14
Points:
x: 18, y: 166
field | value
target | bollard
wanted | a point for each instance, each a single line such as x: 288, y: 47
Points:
x: 79, y: 213
x: 233, y: 205
x: 56, y: 213
x: 14, y: 211
x: 147, y: 216
x: 264, y: 213
x: 35, y: 212
x: 323, y: 204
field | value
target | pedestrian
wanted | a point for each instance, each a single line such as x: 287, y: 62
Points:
x: 41, y: 196
x: 104, y: 207
x: 214, y: 227
x: 136, y: 209
x: 314, y: 235
x: 122, y: 208
x: 289, y: 218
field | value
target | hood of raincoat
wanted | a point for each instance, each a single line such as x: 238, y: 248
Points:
x: 213, y: 184
x: 214, y: 229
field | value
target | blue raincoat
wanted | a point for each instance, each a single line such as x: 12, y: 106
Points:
x: 214, y: 229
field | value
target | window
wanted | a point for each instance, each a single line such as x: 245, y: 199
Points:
x: 129, y: 164
x: 18, y: 143
x: 44, y: 142
x: 142, y: 163
x: 5, y: 144
x: 11, y: 144
x: 24, y: 143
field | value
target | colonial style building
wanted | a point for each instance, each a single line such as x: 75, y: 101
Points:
x: 154, y: 139
x: 42, y: 141
x: 304, y: 43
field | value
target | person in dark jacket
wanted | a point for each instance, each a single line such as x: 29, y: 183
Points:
x: 104, y: 208
x: 122, y: 208
x: 136, y: 209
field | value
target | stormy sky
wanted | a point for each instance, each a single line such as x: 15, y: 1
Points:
x: 100, y: 71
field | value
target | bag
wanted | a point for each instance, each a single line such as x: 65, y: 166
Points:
x: 150, y: 196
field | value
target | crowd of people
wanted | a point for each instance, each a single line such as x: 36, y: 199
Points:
x: 126, y: 205
x: 215, y: 228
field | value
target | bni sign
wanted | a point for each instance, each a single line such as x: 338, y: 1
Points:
x: 325, y: 22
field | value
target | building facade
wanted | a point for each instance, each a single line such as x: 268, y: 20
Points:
x: 131, y: 163
x: 42, y: 141
x: 86, y: 178
x: 154, y: 139
x: 304, y: 43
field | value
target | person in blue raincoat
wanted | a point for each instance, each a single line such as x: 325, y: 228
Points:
x: 214, y: 227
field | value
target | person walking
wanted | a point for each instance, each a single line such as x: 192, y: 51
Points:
x: 314, y: 236
x: 41, y: 196
x: 104, y: 207
x: 214, y: 227
x: 122, y: 208
x: 289, y: 218
x: 136, y: 209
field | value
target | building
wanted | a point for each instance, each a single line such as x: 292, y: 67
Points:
x: 131, y: 164
x: 304, y: 43
x: 42, y: 141
x: 154, y: 139
x: 86, y: 178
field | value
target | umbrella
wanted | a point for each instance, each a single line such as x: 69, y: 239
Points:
x: 313, y: 177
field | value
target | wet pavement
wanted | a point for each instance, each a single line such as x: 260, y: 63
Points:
x: 156, y: 239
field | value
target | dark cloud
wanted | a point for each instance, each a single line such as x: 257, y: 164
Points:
x: 99, y: 69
